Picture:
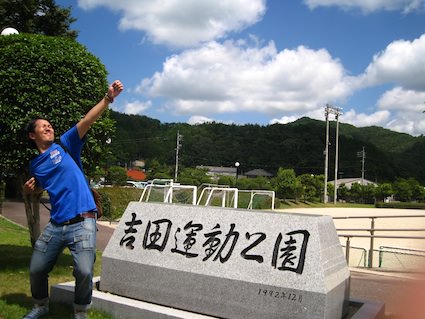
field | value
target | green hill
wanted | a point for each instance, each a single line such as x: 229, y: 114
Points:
x: 299, y: 145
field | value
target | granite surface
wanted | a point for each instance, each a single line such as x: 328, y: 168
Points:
x: 229, y: 263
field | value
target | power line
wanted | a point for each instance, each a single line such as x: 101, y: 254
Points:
x: 141, y: 139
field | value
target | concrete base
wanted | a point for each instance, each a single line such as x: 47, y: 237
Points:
x: 126, y: 308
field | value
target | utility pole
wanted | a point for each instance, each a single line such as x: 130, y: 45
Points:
x: 337, y: 113
x: 362, y: 154
x: 329, y: 109
x: 178, y: 146
x: 326, y: 152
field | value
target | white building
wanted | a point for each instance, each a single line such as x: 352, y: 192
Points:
x: 348, y: 182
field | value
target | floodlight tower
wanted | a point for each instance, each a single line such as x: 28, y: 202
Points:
x: 329, y: 109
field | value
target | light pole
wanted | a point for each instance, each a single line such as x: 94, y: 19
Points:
x: 237, y: 164
x: 108, y: 158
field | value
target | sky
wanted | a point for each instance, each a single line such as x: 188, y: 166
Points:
x: 262, y: 62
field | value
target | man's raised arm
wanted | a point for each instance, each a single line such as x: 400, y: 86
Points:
x: 113, y: 91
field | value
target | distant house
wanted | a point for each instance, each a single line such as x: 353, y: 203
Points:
x: 348, y: 182
x: 136, y: 175
x: 216, y: 171
x: 258, y: 172
x: 138, y: 163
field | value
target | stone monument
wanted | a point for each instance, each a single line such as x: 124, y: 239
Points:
x: 228, y: 263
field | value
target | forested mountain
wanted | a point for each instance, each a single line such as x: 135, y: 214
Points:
x: 299, y: 145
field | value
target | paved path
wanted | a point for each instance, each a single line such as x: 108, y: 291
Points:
x: 15, y: 211
x: 365, y: 284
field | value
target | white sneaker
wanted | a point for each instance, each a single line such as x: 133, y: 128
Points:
x: 80, y: 315
x: 37, y: 312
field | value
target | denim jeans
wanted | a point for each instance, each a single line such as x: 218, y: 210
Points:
x: 80, y: 238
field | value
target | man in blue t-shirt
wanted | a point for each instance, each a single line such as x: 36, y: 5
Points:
x: 73, y: 214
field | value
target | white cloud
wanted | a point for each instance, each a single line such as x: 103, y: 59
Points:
x: 402, y: 63
x: 136, y: 107
x: 246, y: 75
x: 368, y: 6
x: 183, y: 23
x: 400, y: 111
x: 408, y: 122
x: 284, y: 120
x: 402, y: 100
x: 379, y: 118
x: 233, y: 77
x: 197, y: 119
x: 407, y: 106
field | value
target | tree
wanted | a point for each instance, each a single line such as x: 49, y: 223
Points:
x: 356, y: 192
x: 259, y: 182
x: 286, y: 183
x: 368, y: 192
x: 417, y: 189
x: 37, y: 17
x: 311, y: 186
x: 116, y: 175
x: 403, y: 190
x: 194, y: 176
x: 157, y: 170
x: 383, y: 191
x: 343, y: 192
x: 226, y: 180
x: 51, y: 77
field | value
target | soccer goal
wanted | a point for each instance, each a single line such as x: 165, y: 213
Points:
x: 166, y: 191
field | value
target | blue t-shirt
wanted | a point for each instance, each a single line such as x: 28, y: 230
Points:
x: 56, y: 171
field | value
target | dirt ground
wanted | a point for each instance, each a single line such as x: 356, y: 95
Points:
x: 410, y: 251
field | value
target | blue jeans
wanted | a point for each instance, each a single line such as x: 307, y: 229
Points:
x: 80, y: 238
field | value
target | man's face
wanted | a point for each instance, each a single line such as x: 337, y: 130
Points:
x: 43, y: 132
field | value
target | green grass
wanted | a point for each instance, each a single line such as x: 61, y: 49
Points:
x: 120, y: 197
x: 15, y: 295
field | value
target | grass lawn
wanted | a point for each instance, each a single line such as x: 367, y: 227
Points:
x: 15, y: 295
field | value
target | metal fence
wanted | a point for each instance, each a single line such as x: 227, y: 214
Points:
x: 401, y: 258
x: 373, y: 232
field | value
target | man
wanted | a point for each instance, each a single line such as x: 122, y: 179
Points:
x: 73, y: 214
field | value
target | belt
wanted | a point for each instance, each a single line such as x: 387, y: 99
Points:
x: 76, y: 219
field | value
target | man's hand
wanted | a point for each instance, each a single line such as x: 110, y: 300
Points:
x: 115, y: 89
x: 30, y: 186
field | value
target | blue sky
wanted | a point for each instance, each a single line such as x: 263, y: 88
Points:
x: 262, y: 62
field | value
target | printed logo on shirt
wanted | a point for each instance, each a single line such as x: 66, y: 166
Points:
x: 55, y: 156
